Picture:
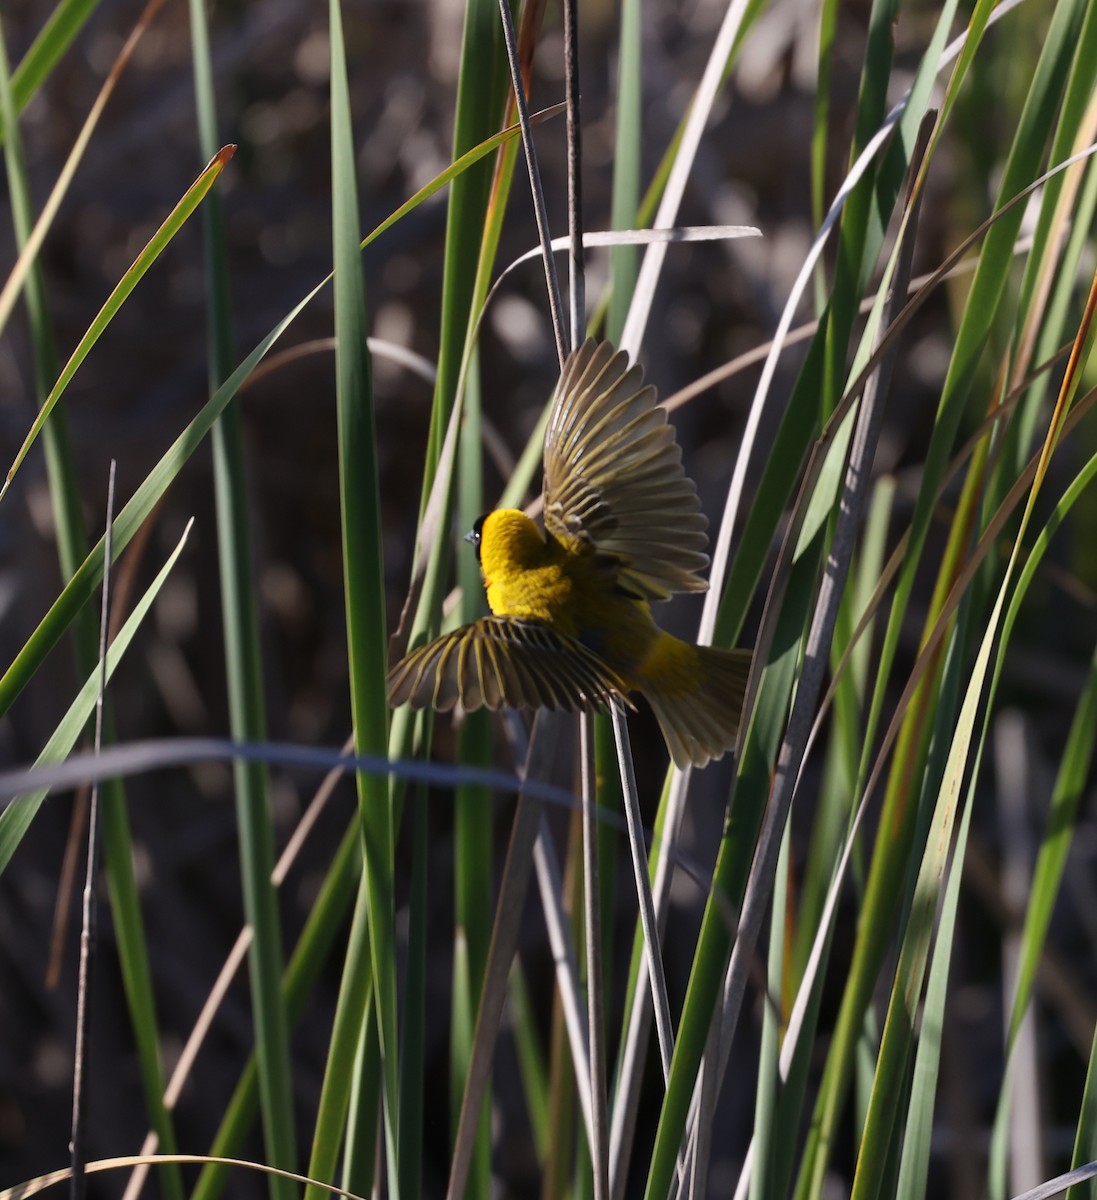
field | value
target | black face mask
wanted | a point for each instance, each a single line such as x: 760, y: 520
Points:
x: 475, y: 534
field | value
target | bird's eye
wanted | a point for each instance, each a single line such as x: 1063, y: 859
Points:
x: 475, y: 533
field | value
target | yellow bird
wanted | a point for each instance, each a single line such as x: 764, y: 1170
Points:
x: 571, y: 625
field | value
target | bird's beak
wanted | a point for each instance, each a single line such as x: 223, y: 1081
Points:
x: 471, y: 537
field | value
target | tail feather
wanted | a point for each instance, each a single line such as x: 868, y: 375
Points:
x: 696, y: 693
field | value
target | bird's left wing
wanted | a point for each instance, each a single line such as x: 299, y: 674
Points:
x: 614, y: 478
x: 504, y: 661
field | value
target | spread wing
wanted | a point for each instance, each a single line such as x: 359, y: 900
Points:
x: 504, y: 661
x: 614, y: 478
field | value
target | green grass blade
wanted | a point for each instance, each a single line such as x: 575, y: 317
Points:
x: 828, y: 20
x: 456, y: 170
x: 58, y: 33
x: 798, y: 421
x: 171, y: 226
x: 413, y: 1007
x: 1051, y: 860
x: 363, y: 572
x: 71, y: 535
x: 915, y: 1149
x: 767, y: 1089
x: 325, y: 922
x: 898, y: 1030
x: 16, y: 819
x: 480, y: 94
x: 986, y: 293
x: 473, y: 819
x: 363, y: 1114
x: 1085, y: 1141
x: 10, y: 291
x: 884, y: 1111
x: 1046, y: 299
x: 350, y: 1026
x: 1065, y: 801
x: 72, y: 548
x: 476, y: 215
x: 88, y: 576
x: 625, y: 260
x: 730, y: 874
x: 477, y: 204
x: 1074, y: 768
x: 140, y: 506
x: 829, y: 829
x: 531, y: 1060
x: 244, y: 668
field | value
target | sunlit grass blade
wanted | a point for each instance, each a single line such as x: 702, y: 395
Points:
x: 899, y: 808
x: 363, y: 573
x: 798, y: 609
x: 364, y: 1113
x: 126, y: 1162
x: 822, y: 618
x: 834, y: 813
x: 791, y: 440
x: 1045, y: 295
x: 766, y: 1092
x: 770, y: 1173
x: 736, y: 18
x: 1062, y: 814
x: 627, y: 141
x: 898, y: 1033
x: 1084, y: 1159
x: 474, y: 221
x: 171, y: 226
x: 729, y: 880
x: 34, y: 240
x: 480, y: 93
x: 456, y: 169
x: 55, y: 37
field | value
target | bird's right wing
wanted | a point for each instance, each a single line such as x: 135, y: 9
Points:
x: 614, y: 478
x: 504, y: 662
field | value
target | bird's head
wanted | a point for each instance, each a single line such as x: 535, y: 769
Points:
x: 506, y: 540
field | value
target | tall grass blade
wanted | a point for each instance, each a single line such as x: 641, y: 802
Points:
x: 351, y: 1029
x: 712, y: 79
x: 243, y: 662
x: 35, y: 238
x: 324, y: 923
x: 58, y: 33
x: 627, y: 141
x: 473, y: 227
x: 363, y: 572
x: 898, y: 1031
x: 72, y: 548
x: 16, y: 818
x: 171, y: 226
x: 899, y: 811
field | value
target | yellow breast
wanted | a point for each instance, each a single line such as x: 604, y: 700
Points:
x: 525, y: 574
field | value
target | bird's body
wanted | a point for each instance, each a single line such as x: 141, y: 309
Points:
x: 562, y: 582
x: 571, y: 623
